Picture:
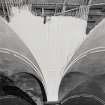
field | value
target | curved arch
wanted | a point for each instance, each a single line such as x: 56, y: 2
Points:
x: 11, y: 64
x: 87, y: 67
x: 24, y: 59
x: 78, y: 84
x: 69, y: 82
x: 9, y: 86
x: 31, y: 82
x: 82, y: 56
